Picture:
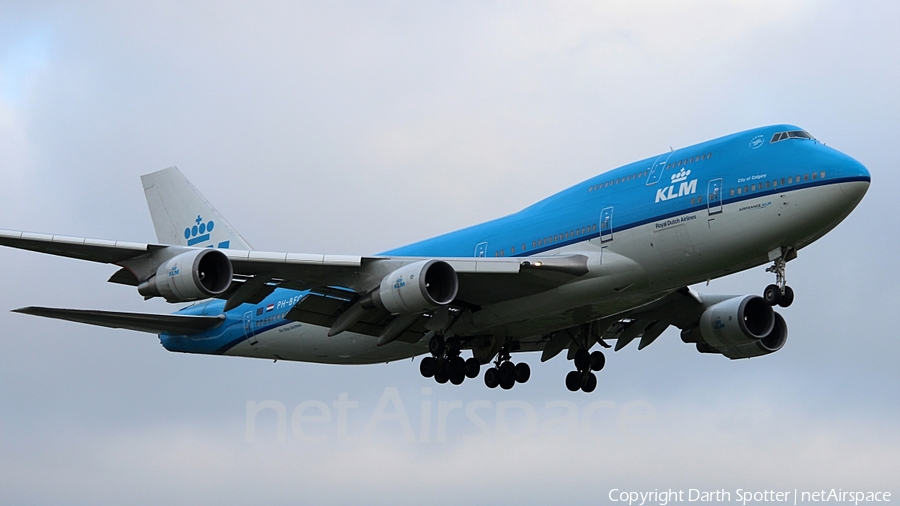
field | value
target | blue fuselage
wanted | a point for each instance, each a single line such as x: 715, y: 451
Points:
x: 684, y: 216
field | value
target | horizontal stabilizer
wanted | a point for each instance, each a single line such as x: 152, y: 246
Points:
x: 141, y: 322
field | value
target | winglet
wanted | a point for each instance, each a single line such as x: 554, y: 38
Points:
x: 182, y: 216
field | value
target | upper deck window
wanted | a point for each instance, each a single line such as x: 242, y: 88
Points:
x: 793, y: 134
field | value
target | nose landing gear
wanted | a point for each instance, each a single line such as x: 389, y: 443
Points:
x: 779, y: 294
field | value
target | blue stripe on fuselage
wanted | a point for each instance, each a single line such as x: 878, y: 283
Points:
x: 634, y: 201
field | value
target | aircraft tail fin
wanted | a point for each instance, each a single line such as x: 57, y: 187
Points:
x: 182, y: 216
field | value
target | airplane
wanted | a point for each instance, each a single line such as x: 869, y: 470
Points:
x: 608, y: 259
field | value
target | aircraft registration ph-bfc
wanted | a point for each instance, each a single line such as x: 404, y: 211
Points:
x: 609, y: 259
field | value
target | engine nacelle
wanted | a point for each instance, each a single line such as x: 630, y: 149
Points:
x: 193, y: 275
x: 415, y: 288
x: 740, y: 327
x: 769, y: 344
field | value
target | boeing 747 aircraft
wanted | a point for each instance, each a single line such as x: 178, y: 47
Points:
x: 609, y: 259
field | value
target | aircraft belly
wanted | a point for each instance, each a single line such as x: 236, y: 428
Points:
x: 310, y: 343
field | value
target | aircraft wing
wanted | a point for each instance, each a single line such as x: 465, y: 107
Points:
x: 481, y: 280
x: 141, y: 322
x: 95, y: 250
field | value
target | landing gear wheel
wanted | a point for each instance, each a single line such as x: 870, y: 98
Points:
x: 598, y: 360
x: 582, y: 360
x: 772, y: 295
x: 590, y: 383
x: 457, y: 367
x: 428, y: 366
x: 492, y: 377
x: 523, y: 372
x: 473, y: 367
x: 441, y: 375
x: 507, y: 373
x: 507, y: 383
x: 436, y: 345
x: 457, y: 379
x: 787, y: 298
x: 573, y: 381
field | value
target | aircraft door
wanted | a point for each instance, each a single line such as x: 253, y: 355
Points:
x: 248, y: 328
x: 606, y: 232
x: 714, y: 202
x: 481, y: 249
x: 657, y: 169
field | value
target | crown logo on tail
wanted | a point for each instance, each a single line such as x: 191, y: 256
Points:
x: 199, y: 232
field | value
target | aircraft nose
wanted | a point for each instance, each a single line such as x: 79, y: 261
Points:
x: 857, y: 180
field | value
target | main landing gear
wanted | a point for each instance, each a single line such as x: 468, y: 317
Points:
x: 779, y: 294
x: 583, y: 378
x: 445, y: 364
x: 505, y: 373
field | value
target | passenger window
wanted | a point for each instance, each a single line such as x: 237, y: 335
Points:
x: 753, y: 187
x: 806, y: 177
x: 822, y: 174
x: 746, y: 189
x: 693, y: 201
x: 814, y: 175
x: 594, y: 227
x: 523, y: 246
x: 700, y: 199
x: 512, y: 250
x: 739, y: 190
x: 731, y: 192
x: 790, y: 180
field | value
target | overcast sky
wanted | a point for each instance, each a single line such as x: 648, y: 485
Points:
x: 357, y: 127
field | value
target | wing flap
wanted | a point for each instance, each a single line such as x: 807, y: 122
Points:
x: 323, y: 310
x: 141, y: 322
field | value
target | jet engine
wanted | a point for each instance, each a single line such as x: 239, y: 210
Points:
x: 740, y: 327
x: 193, y: 275
x: 415, y: 288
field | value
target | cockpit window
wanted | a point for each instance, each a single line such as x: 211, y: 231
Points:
x: 793, y: 134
